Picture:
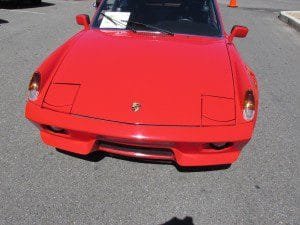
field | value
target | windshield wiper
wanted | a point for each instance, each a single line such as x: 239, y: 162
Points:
x: 117, y: 22
x: 150, y: 27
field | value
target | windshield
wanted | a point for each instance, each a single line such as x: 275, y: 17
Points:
x: 193, y: 17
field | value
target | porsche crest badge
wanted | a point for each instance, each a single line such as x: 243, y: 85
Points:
x: 136, y: 106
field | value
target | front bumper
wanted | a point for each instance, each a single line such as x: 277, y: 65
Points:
x: 188, y: 145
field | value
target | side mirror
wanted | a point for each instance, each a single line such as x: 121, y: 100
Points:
x: 83, y: 20
x: 238, y: 31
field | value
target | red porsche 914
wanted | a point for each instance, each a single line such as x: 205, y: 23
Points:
x: 150, y: 79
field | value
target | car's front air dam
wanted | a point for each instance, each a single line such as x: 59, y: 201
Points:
x: 182, y: 155
x: 83, y: 134
x: 79, y: 145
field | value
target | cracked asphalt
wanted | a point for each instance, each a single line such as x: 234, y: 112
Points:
x: 39, y: 185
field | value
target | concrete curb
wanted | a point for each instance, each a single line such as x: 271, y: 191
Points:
x: 291, y: 18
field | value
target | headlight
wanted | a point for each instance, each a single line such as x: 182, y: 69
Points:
x: 34, y: 86
x: 249, y: 106
x: 218, y: 111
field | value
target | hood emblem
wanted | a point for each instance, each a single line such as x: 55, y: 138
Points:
x: 136, y: 106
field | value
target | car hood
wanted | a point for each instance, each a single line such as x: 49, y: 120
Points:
x: 166, y: 76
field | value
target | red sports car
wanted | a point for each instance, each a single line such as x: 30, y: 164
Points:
x: 151, y: 79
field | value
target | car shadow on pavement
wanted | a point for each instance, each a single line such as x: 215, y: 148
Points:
x: 202, y: 168
x: 3, y: 21
x: 23, y: 5
x: 179, y: 168
x: 97, y: 156
x: 175, y: 221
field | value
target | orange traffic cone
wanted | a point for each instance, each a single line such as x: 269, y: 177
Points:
x: 233, y: 4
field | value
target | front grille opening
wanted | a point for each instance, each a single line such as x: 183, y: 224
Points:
x: 54, y: 129
x: 137, y: 149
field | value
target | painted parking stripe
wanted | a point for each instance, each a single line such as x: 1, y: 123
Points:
x: 22, y: 11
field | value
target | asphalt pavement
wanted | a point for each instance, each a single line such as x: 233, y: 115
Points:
x: 39, y: 185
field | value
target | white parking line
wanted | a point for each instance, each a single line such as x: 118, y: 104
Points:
x: 23, y: 11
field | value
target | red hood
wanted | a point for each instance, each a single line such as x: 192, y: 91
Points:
x: 166, y: 75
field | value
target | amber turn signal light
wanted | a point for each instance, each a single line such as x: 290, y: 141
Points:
x: 34, y: 86
x: 249, y: 106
